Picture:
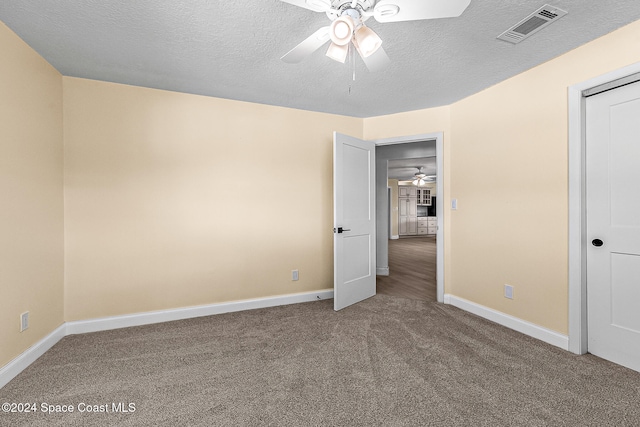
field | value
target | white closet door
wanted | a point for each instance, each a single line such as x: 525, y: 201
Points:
x: 613, y: 225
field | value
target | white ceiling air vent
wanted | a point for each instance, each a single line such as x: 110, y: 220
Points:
x: 532, y: 24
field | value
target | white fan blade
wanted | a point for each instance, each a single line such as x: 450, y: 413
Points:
x: 315, y: 5
x: 307, y: 47
x: 376, y: 61
x: 412, y: 10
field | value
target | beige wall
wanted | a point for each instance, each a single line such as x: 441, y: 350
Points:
x: 176, y: 200
x: 505, y: 161
x: 31, y: 216
x: 511, y: 226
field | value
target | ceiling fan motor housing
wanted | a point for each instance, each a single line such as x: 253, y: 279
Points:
x: 340, y: 7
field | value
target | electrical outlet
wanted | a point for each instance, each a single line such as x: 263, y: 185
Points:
x: 24, y: 321
x: 508, y: 291
x: 294, y: 275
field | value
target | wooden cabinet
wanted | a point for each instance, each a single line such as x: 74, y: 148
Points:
x: 422, y: 225
x: 407, y: 191
x: 432, y: 225
x: 407, y: 211
x: 427, y: 225
x: 409, y: 224
x: 407, y: 216
x: 423, y: 196
x: 407, y: 207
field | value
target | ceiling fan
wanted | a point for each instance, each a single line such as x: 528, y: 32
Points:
x: 347, y: 26
x: 421, y: 179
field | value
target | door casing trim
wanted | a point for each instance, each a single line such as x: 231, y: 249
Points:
x: 578, y: 334
x: 438, y: 138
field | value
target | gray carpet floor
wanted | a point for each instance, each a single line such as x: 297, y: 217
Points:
x: 387, y: 361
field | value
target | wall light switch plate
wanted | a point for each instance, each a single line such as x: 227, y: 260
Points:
x: 24, y: 321
x: 294, y: 274
x: 508, y: 291
x: 454, y: 204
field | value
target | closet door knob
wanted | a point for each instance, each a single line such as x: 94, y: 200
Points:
x: 597, y: 242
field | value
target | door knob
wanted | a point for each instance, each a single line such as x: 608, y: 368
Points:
x: 340, y: 230
x: 597, y: 242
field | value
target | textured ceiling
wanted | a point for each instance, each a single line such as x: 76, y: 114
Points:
x: 232, y: 49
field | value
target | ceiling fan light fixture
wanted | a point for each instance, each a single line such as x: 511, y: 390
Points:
x: 367, y: 41
x: 341, y: 30
x: 337, y: 52
x: 420, y: 178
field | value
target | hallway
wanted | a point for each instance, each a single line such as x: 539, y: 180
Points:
x: 412, y: 268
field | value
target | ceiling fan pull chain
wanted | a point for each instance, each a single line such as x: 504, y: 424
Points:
x: 353, y: 62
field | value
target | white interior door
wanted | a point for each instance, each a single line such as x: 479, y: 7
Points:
x: 354, y: 220
x: 613, y: 225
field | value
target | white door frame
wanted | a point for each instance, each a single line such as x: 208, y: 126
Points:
x: 577, y: 207
x: 389, y: 228
x: 437, y: 137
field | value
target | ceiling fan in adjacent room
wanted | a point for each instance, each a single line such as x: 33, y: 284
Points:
x: 421, y: 179
x: 348, y: 30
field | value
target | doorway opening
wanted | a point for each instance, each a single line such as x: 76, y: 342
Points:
x: 410, y: 263
x: 413, y: 224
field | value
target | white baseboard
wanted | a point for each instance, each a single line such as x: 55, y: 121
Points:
x: 395, y: 237
x: 20, y: 363
x: 522, y: 326
x: 138, y: 319
x: 382, y: 271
